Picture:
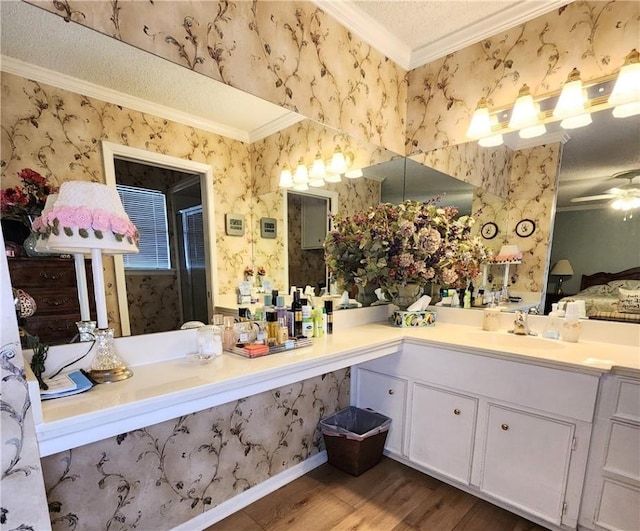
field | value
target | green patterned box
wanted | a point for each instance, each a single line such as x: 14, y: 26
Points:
x: 411, y: 319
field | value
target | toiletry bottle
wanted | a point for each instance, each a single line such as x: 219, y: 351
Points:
x: 307, y: 321
x: 228, y: 338
x: 328, y: 306
x: 283, y: 331
x: 272, y: 327
x: 552, y: 330
x: 455, y: 299
x: 318, y: 330
x: 571, y: 326
x: 467, y: 298
x: 296, y: 307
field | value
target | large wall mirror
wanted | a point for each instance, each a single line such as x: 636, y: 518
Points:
x: 266, y: 200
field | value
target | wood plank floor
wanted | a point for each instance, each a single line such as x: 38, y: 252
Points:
x: 388, y: 497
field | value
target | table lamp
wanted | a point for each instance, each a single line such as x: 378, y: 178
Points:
x: 85, y: 326
x: 88, y: 218
x: 562, y: 269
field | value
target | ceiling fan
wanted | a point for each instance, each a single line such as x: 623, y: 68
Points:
x: 625, y: 197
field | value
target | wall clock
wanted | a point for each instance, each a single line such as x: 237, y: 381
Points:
x: 525, y: 228
x: 489, y: 230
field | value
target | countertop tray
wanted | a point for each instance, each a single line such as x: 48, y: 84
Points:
x: 290, y: 345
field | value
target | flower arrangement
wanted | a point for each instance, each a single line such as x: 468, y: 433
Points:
x: 248, y: 272
x: 23, y: 202
x: 262, y: 271
x: 409, y: 243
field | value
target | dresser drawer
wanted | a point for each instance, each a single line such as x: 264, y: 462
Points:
x: 53, y: 329
x: 55, y: 301
x: 42, y: 273
x: 623, y: 452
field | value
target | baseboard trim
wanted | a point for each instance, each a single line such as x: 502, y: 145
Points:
x: 247, y: 497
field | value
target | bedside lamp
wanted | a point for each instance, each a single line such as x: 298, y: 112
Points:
x: 562, y: 269
x: 88, y: 218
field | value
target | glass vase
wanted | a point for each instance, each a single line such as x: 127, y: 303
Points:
x: 405, y: 296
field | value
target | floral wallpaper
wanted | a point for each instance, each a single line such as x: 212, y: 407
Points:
x: 58, y: 134
x: 21, y: 471
x: 287, y: 52
x: 594, y: 37
x: 163, y: 475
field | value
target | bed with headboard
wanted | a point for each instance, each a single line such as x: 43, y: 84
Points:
x: 611, y: 296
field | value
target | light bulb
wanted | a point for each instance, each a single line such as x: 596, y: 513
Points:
x: 338, y: 162
x: 318, y: 172
x: 301, y: 175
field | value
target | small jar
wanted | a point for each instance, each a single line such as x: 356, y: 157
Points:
x: 209, y: 343
x: 491, y: 319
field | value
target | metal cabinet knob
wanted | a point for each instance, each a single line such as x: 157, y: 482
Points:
x: 391, y: 391
x: 456, y: 411
x: 505, y: 427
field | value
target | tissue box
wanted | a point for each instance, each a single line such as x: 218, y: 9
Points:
x: 411, y: 319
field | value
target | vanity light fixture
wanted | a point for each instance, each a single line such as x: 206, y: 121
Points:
x: 319, y: 173
x: 572, y: 106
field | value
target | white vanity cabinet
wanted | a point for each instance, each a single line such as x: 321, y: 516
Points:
x: 612, y: 490
x: 514, y: 433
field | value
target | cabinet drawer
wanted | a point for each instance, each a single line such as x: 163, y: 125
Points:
x: 53, y: 329
x: 618, y: 507
x: 55, y: 301
x: 42, y: 273
x: 387, y: 395
x: 623, y: 452
x: 443, y: 431
x: 628, y: 403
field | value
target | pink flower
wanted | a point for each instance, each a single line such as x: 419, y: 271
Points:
x: 101, y: 220
x: 83, y: 218
x: 119, y: 225
x: 66, y: 216
x: 38, y: 225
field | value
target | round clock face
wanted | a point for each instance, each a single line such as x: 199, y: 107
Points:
x: 525, y: 227
x: 489, y: 230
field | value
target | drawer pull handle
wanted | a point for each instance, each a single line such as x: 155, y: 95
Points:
x: 48, y: 276
x: 391, y: 391
x: 54, y: 302
x: 505, y: 427
x: 456, y: 411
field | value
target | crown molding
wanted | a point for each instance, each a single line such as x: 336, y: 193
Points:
x: 275, y: 126
x: 368, y: 29
x: 508, y: 18
x: 72, y: 84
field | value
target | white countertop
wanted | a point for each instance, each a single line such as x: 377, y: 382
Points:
x: 166, y: 389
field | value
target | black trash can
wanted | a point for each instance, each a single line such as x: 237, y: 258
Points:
x: 355, y: 439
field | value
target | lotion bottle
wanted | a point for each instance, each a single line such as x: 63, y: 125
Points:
x: 552, y: 330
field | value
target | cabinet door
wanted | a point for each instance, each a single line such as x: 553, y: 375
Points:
x: 526, y: 461
x: 442, y: 431
x: 314, y: 221
x: 386, y: 395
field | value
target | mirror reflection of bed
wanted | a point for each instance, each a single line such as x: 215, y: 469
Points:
x: 610, y: 296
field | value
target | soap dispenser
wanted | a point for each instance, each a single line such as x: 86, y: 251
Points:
x: 552, y: 330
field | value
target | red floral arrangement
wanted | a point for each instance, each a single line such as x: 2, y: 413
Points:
x: 23, y: 203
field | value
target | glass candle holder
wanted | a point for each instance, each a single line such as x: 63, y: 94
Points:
x: 107, y: 365
x: 85, y: 330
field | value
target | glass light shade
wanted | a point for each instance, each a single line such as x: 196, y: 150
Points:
x: 525, y: 113
x: 480, y: 125
x: 318, y: 172
x: 572, y: 98
x: 626, y: 203
x: 316, y: 183
x: 574, y: 122
x: 286, y: 179
x: 338, y: 162
x: 333, y: 178
x: 301, y: 187
x: 626, y: 110
x: 533, y: 131
x: 491, y: 141
x: 354, y: 174
x: 627, y: 86
x: 301, y: 175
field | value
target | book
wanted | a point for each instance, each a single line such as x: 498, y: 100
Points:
x: 67, y: 384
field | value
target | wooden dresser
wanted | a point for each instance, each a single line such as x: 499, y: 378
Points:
x: 52, y: 284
